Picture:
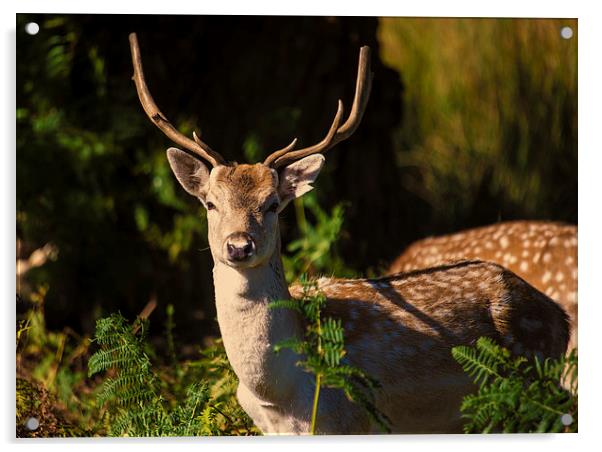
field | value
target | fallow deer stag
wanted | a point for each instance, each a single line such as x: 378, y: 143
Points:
x: 399, y: 329
x: 542, y: 253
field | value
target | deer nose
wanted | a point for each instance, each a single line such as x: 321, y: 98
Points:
x: 240, y: 246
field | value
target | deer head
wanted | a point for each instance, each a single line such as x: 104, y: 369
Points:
x: 243, y: 201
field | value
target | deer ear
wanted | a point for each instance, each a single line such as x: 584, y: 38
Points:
x: 192, y: 174
x: 296, y: 178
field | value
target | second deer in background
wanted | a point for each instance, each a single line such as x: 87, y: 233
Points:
x: 542, y: 253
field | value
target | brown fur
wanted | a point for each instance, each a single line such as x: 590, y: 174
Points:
x: 454, y: 304
x: 399, y: 329
x: 542, y: 253
x: 251, y: 184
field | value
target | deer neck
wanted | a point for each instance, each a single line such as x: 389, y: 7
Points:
x: 250, y: 329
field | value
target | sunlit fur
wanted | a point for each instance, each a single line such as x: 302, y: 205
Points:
x: 542, y: 253
x: 399, y: 329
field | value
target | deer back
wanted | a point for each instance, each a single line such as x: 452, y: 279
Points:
x: 542, y: 253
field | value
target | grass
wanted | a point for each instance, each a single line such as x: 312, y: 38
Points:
x: 490, y: 107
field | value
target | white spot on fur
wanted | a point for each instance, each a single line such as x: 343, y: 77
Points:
x: 455, y: 288
x: 524, y: 266
x: 470, y: 295
x: 547, y: 257
x: 504, y: 242
x: 559, y: 277
x: 483, y: 285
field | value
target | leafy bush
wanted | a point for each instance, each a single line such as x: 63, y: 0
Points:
x: 517, y: 394
x: 315, y: 250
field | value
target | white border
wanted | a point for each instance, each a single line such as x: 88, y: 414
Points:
x: 590, y: 75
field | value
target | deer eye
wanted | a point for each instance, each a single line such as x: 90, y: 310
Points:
x: 273, y: 207
x: 210, y: 205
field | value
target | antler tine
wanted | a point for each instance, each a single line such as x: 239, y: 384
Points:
x: 336, y: 134
x: 363, y: 86
x: 152, y: 111
x: 324, y: 144
x: 276, y: 154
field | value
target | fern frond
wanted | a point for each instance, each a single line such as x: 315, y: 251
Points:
x: 132, y: 394
x: 516, y: 394
x: 287, y: 304
x: 323, y: 350
x: 480, y: 363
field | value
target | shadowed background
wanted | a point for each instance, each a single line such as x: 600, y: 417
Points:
x: 471, y: 121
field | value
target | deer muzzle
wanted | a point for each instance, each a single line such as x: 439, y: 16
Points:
x: 240, y: 246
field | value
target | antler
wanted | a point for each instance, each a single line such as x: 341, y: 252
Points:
x: 196, y: 146
x: 335, y: 134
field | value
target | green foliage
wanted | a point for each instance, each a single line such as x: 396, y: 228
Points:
x: 214, y: 367
x: 315, y: 250
x: 169, y: 334
x: 132, y: 396
x: 517, y: 394
x: 92, y: 178
x: 54, y: 362
x: 323, y: 351
x: 123, y: 350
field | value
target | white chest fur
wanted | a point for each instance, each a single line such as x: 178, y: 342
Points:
x: 250, y: 329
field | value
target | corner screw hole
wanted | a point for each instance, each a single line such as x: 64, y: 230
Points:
x: 32, y: 28
x: 566, y: 32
